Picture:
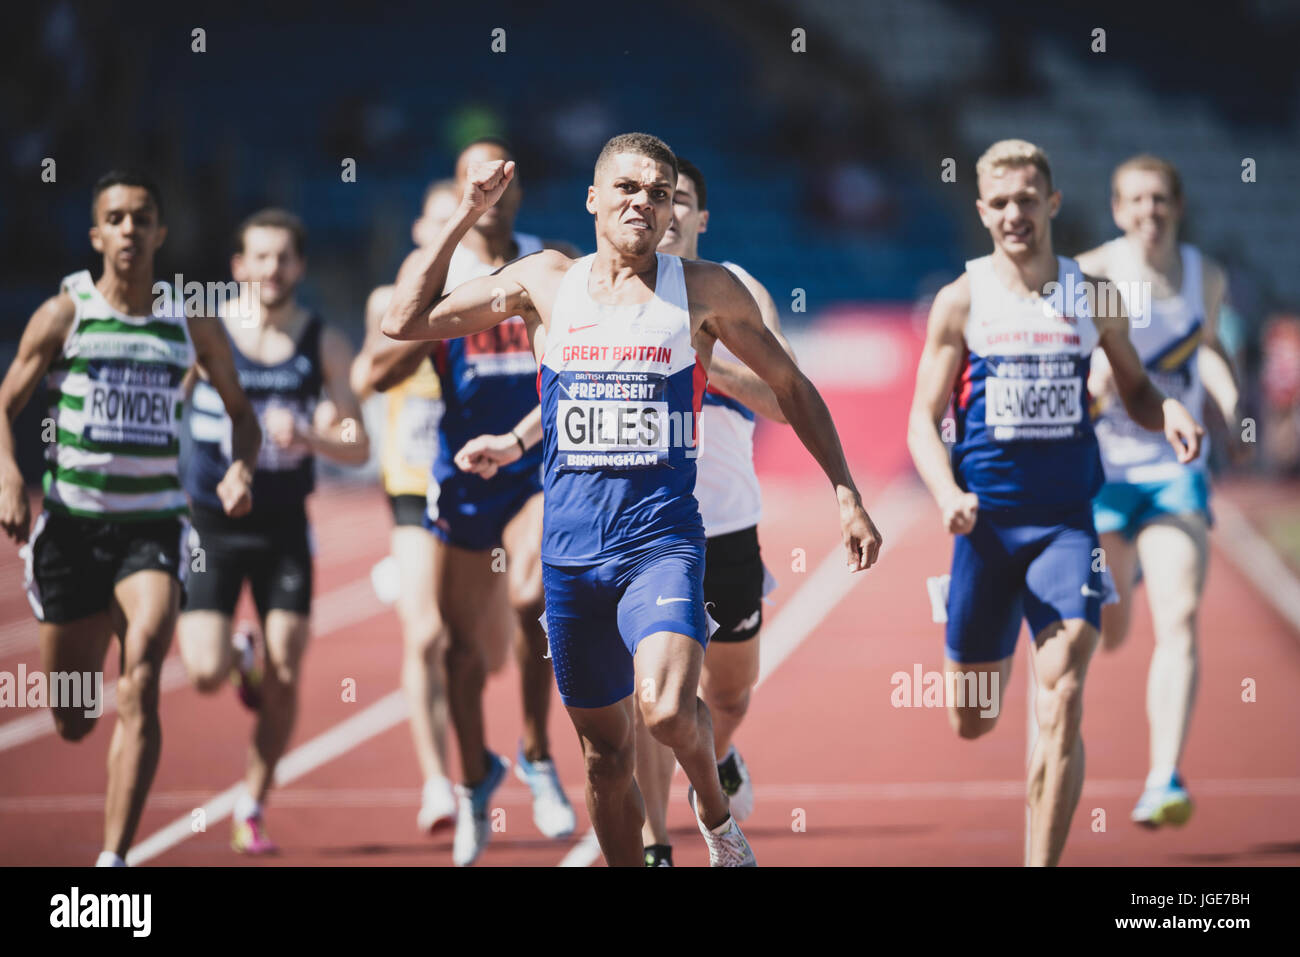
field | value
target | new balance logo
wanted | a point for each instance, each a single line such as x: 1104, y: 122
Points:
x: 749, y: 622
x: 661, y: 600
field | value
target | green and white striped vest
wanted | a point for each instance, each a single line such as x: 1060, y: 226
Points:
x: 116, y: 401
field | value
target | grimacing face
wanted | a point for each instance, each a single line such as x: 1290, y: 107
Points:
x: 269, y: 258
x: 1144, y: 206
x: 127, y: 230
x: 632, y: 200
x: 1016, y: 206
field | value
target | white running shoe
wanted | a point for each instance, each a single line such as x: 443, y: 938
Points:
x: 473, y: 827
x: 437, y: 806
x: 552, y: 812
x: 737, y: 784
x: 727, y: 846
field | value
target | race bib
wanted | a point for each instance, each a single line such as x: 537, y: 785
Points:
x: 417, y: 431
x: 128, y: 404
x: 501, y: 350
x: 612, y: 420
x: 1034, y: 398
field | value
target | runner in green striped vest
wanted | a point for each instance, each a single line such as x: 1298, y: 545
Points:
x: 109, y: 551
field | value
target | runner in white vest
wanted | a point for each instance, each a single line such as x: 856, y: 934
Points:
x: 108, y: 555
x: 1154, y: 509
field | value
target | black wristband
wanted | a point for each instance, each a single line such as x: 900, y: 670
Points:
x: 522, y: 449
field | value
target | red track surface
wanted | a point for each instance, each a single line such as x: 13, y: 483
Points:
x: 875, y: 784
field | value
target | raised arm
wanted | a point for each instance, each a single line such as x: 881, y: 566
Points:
x: 732, y: 316
x: 40, y: 345
x: 1145, y: 404
x: 739, y: 381
x: 217, y: 364
x: 936, y: 374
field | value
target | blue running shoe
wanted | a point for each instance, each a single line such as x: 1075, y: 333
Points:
x: 472, y: 804
x: 1164, y: 804
x: 552, y: 812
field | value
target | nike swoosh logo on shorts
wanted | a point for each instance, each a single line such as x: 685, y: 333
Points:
x: 661, y: 600
x: 1089, y: 592
x: 590, y: 325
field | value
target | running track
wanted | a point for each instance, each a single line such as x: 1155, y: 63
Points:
x: 872, y: 784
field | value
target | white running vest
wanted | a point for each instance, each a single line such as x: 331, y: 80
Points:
x: 1167, y: 342
x: 726, y: 484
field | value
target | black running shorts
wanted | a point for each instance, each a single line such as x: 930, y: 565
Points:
x: 271, y: 552
x: 733, y: 584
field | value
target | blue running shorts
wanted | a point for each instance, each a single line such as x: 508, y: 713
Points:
x: 1126, y: 506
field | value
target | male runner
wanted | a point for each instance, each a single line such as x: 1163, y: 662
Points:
x: 489, y: 382
x: 623, y: 339
x: 286, y: 357
x: 1009, y: 344
x: 1154, y: 508
x: 414, y: 410
x: 108, y: 555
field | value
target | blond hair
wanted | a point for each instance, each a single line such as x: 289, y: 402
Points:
x: 1012, y: 153
x: 1154, y: 164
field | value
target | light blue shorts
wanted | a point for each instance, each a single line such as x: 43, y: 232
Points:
x: 1126, y: 506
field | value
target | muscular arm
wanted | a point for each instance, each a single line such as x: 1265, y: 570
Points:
x: 1212, y: 358
x: 739, y: 381
x: 732, y: 316
x: 936, y: 374
x: 345, y: 439
x: 41, y: 343
x: 359, y: 374
x: 217, y: 364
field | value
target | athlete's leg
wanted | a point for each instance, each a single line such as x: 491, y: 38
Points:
x: 146, y: 605
x: 967, y: 714
x: 726, y: 682
x: 1173, y: 549
x: 424, y: 648
x: 1122, y: 560
x: 206, y: 649
x: 75, y: 647
x: 466, y: 592
x: 522, y: 538
x: 1061, y: 654
x: 654, y: 775
x: 287, y: 634
x: 613, y: 800
x: 667, y: 678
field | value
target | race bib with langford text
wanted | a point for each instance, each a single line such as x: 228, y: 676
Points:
x: 612, y: 420
x: 1034, y: 397
x: 130, y: 404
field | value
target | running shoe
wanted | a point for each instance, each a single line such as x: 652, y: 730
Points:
x: 552, y: 812
x: 727, y: 846
x: 473, y: 829
x: 1164, y: 804
x: 659, y: 855
x: 249, y: 837
x: 736, y: 782
x: 246, y: 675
x: 437, y: 806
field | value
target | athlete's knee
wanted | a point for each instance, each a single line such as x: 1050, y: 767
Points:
x: 207, y: 677
x: 971, y: 722
x: 526, y: 596
x: 1060, y: 708
x: 72, y: 724
x: 731, y: 701
x: 672, y: 722
x: 610, y: 765
x: 138, y: 690
x: 426, y: 641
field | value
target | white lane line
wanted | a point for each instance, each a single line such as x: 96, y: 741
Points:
x: 894, y: 511
x: 337, y: 609
x: 804, y: 791
x: 1258, y: 561
x: 385, y: 713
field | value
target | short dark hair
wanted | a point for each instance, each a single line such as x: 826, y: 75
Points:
x: 276, y: 219
x: 686, y: 168
x: 126, y: 177
x: 639, y: 144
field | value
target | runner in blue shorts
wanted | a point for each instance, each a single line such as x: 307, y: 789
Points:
x: 1009, y: 345
x: 1154, y: 508
x: 626, y: 338
x: 488, y: 530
